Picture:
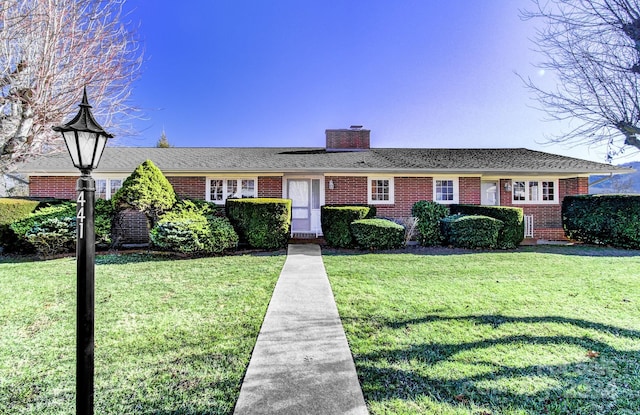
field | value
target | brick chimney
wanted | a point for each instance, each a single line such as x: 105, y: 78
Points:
x: 352, y: 139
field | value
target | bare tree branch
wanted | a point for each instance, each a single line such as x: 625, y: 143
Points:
x: 49, y: 50
x: 593, y: 49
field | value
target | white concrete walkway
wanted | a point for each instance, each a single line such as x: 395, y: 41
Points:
x: 301, y: 363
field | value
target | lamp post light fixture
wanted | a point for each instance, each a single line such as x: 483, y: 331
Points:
x: 85, y: 139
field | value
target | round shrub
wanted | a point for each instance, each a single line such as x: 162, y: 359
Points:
x: 193, y: 233
x: 198, y: 206
x: 429, y: 214
x: 336, y: 221
x: 512, y: 232
x: 53, y: 236
x: 146, y: 190
x: 377, y: 233
x: 472, y: 231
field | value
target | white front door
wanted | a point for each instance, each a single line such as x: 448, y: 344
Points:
x: 300, y: 196
x: 490, y: 194
x: 305, y: 204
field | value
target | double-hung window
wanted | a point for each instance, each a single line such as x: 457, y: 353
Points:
x: 106, y: 188
x: 380, y: 190
x: 221, y: 189
x: 445, y: 191
x: 535, y: 191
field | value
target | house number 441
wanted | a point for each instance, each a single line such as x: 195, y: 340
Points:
x: 80, y: 216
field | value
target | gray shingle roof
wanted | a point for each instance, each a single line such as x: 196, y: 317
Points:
x: 208, y: 160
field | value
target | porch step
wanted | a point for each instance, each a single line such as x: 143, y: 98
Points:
x: 304, y: 235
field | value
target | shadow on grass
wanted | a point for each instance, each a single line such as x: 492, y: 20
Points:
x: 605, y: 383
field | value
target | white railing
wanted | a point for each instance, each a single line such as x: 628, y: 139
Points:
x: 528, y: 226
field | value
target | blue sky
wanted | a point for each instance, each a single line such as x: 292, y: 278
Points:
x: 278, y: 73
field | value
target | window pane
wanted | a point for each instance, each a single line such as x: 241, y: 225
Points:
x: 380, y: 190
x: 216, y: 190
x: 232, y: 189
x: 548, y: 192
x: 444, y: 190
x: 315, y: 194
x: 248, y: 188
x: 116, y: 184
x: 101, y: 188
x: 534, y: 191
x: 519, y: 191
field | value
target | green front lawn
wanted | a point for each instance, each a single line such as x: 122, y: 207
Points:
x: 536, y: 331
x: 172, y: 336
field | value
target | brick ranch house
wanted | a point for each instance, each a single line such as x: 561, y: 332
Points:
x: 347, y: 170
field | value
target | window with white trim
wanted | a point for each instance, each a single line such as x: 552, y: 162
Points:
x: 106, y: 188
x: 380, y: 190
x: 445, y: 191
x: 534, y: 191
x: 221, y: 189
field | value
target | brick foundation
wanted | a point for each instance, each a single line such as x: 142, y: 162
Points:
x: 130, y: 227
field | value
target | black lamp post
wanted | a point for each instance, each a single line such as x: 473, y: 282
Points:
x: 85, y: 140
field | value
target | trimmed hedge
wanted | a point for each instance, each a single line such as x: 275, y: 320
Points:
x: 263, y: 223
x: 603, y: 219
x: 377, y: 233
x: 512, y: 232
x: 193, y: 233
x: 336, y: 221
x: 471, y: 231
x: 373, y: 211
x: 12, y: 210
x: 429, y: 214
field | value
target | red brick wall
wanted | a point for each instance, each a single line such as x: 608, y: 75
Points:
x: 270, y: 186
x: 470, y: 190
x: 346, y: 190
x: 191, y: 187
x: 130, y: 227
x: 407, y: 191
x: 60, y: 187
x: 547, y: 219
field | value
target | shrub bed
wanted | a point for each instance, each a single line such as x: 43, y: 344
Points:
x: 263, y: 223
x: 603, y: 219
x: 471, y: 231
x: 193, y: 233
x: 43, y: 221
x: 512, y: 232
x: 429, y: 214
x: 336, y: 221
x: 377, y: 233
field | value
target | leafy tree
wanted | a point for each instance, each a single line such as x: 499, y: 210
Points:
x: 593, y: 48
x: 50, y: 50
x: 146, y: 190
x: 163, y: 142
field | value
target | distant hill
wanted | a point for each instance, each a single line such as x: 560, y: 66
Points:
x: 622, y: 183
